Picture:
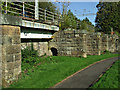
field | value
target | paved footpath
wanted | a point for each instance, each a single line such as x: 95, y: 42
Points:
x: 85, y: 77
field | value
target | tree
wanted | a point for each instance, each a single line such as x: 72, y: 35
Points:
x: 87, y: 21
x: 48, y: 6
x: 86, y: 25
x: 72, y: 20
x: 108, y: 17
x: 69, y: 21
x: 64, y: 22
x: 83, y: 25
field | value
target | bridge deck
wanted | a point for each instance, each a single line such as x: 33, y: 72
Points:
x: 21, y: 15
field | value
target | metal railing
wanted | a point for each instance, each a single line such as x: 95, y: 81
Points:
x: 28, y: 11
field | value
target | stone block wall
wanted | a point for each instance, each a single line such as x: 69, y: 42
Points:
x: 92, y: 44
x: 103, y: 42
x: 11, y: 54
x: 41, y: 47
x: 69, y: 43
x: 113, y: 43
x: 76, y: 43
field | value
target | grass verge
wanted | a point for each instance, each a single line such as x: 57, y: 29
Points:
x: 110, y: 79
x: 54, y: 70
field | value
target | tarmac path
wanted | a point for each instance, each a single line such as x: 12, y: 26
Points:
x: 86, y: 77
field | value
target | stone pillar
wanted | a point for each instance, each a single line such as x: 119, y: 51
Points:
x: 84, y: 46
x: 112, y: 44
x: 99, y: 44
x: 11, y: 54
x: 107, y: 47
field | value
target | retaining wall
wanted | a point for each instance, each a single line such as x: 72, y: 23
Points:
x: 76, y: 43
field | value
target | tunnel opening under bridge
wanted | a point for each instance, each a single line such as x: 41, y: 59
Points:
x: 54, y: 51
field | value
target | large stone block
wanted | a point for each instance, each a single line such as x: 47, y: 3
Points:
x: 16, y: 39
x: 6, y: 40
x: 9, y: 58
x: 10, y: 66
x: 13, y: 49
x: 74, y: 52
x: 17, y: 64
x: 10, y: 30
x: 17, y: 57
x: 17, y: 72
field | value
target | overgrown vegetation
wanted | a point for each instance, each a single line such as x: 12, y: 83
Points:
x: 110, y: 79
x: 52, y: 69
x: 29, y: 57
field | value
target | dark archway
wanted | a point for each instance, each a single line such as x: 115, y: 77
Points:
x: 54, y: 51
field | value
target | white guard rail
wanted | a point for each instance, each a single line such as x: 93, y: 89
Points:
x: 31, y: 11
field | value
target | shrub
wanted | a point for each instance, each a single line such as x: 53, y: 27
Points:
x: 29, y: 58
x: 28, y: 52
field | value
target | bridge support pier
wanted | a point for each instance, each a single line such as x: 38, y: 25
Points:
x: 11, y: 54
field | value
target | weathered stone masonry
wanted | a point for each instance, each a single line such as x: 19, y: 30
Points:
x: 76, y: 43
x: 11, y: 54
x: 41, y: 47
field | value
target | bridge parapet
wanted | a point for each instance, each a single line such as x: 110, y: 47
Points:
x: 16, y: 21
x: 30, y: 12
x: 28, y: 15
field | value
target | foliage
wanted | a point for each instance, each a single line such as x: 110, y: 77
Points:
x: 54, y: 70
x: 110, y: 79
x: 87, y: 21
x: 48, y: 6
x: 117, y: 33
x: 108, y: 17
x: 69, y: 20
x: 87, y: 25
x: 83, y: 25
x: 29, y: 57
x: 9, y: 8
x: 45, y: 6
x: 28, y: 53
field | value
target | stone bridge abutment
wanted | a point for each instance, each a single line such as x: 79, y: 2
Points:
x: 11, y: 54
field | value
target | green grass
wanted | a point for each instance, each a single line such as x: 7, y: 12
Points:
x: 110, y: 78
x: 54, y: 70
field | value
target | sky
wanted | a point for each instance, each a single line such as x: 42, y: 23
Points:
x: 79, y: 8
